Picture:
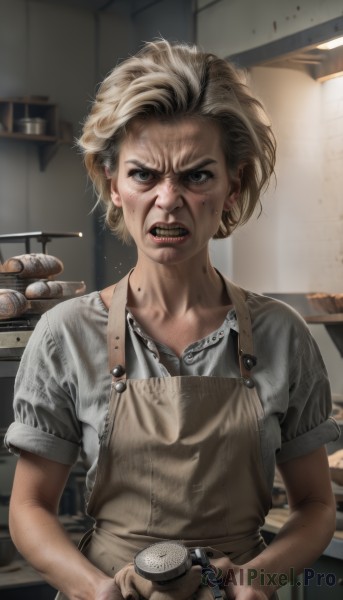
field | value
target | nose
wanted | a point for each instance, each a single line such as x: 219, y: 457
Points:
x: 169, y: 196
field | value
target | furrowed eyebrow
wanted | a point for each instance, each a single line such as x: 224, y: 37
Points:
x: 141, y: 166
x: 196, y: 167
x: 202, y: 164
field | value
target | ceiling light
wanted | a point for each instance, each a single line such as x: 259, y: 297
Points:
x: 323, y: 78
x: 332, y: 44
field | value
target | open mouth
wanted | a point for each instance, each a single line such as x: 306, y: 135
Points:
x: 164, y: 231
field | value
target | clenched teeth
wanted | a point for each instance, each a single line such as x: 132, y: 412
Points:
x: 169, y: 232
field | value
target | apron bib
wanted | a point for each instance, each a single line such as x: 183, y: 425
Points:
x: 179, y: 457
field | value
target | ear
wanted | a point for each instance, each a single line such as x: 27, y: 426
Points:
x: 234, y: 191
x: 115, y: 196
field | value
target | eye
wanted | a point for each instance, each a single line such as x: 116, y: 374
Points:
x: 141, y: 175
x: 198, y: 177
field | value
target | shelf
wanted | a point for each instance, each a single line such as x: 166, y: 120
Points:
x: 42, y: 237
x: 13, y: 110
x: 328, y: 319
x: 333, y: 324
x: 28, y: 137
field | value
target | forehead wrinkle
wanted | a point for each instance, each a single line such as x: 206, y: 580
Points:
x: 174, y: 151
x: 176, y: 160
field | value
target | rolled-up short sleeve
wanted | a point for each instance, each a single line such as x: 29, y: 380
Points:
x: 44, y: 408
x: 307, y: 424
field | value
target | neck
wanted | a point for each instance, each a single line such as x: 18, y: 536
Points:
x: 176, y: 288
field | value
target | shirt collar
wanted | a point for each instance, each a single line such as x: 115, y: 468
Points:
x: 230, y: 322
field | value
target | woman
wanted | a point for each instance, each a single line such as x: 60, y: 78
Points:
x: 209, y: 384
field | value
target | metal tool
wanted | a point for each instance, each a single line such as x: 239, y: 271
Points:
x: 164, y: 562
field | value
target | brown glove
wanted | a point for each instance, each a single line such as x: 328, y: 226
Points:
x: 191, y: 585
x: 133, y: 586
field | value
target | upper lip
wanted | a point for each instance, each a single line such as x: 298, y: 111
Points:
x: 174, y: 224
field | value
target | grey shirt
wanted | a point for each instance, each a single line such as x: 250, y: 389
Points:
x: 63, y: 383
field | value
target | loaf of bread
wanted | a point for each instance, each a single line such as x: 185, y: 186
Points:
x: 12, y: 304
x: 44, y: 289
x: 326, y: 303
x: 72, y: 288
x: 33, y: 266
x: 54, y: 289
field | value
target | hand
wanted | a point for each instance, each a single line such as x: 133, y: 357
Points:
x: 234, y: 588
x: 108, y: 590
x: 244, y: 592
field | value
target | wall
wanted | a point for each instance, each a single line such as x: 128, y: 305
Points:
x: 296, y: 244
x: 332, y: 198
x: 286, y: 237
x: 48, y: 48
x: 308, y: 124
x: 61, y: 52
x: 172, y: 19
x: 230, y: 26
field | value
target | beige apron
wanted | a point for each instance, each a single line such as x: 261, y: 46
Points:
x: 179, y: 458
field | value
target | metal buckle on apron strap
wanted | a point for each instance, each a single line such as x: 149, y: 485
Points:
x: 248, y: 382
x: 247, y: 361
x: 119, y: 371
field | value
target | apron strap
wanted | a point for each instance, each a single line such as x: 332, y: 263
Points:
x: 116, y: 333
x: 247, y: 359
x: 117, y: 330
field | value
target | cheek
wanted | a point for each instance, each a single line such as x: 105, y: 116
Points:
x: 210, y: 204
x: 130, y: 203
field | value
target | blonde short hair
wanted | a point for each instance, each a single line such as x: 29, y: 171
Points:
x: 165, y: 80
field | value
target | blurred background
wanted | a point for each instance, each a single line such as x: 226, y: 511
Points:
x: 54, y: 53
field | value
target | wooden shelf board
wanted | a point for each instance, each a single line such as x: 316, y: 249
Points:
x: 325, y: 319
x: 28, y: 137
